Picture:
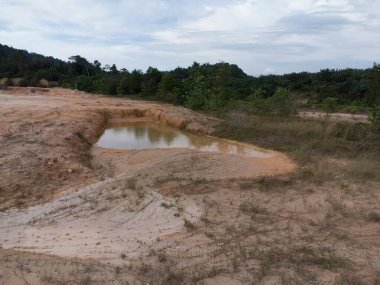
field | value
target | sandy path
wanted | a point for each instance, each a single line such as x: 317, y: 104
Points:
x: 335, y: 116
x: 94, y: 221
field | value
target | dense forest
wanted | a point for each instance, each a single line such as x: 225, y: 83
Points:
x: 207, y: 87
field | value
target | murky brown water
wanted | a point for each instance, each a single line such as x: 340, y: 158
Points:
x: 149, y: 135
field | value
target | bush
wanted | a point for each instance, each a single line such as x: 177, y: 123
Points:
x: 330, y: 104
x: 8, y: 82
x: 282, y: 103
x: 374, y: 117
x: 24, y: 82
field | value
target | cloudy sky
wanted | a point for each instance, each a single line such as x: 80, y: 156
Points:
x: 261, y: 36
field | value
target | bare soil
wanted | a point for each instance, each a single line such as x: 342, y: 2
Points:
x: 96, y: 214
x: 335, y: 116
x: 76, y: 214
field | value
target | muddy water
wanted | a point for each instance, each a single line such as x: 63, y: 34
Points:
x: 149, y: 135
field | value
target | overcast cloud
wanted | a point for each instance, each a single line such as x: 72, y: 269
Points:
x: 261, y: 36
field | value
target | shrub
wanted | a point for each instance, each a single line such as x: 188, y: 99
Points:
x: 189, y: 225
x: 374, y: 117
x: 330, y: 104
x: 282, y: 103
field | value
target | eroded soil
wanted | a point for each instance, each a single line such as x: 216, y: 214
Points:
x: 76, y: 214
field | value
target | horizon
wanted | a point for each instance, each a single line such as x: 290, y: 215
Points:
x: 260, y: 37
x: 201, y: 63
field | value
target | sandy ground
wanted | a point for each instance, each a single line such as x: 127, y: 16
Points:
x: 335, y: 116
x: 61, y: 197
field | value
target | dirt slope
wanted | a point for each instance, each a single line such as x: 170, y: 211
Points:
x: 44, y: 135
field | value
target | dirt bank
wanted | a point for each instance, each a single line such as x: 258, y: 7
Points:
x: 44, y: 138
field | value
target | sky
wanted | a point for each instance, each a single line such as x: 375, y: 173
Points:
x: 261, y: 36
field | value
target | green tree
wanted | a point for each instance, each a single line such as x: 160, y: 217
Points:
x: 197, y: 92
x: 124, y: 87
x: 84, y: 83
x: 372, y: 80
x: 80, y: 66
x: 282, y: 102
x: 330, y: 104
x: 151, y: 80
x: 107, y: 85
x: 374, y: 117
x: 169, y: 88
x: 98, y: 66
x: 136, y: 81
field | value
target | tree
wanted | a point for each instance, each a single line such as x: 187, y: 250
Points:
x: 136, y: 81
x: 374, y: 117
x: 282, y: 103
x: 98, y: 66
x: 372, y: 79
x: 151, y: 80
x: 125, y: 87
x: 113, y: 69
x: 84, y: 83
x: 80, y: 66
x: 198, y: 92
x: 107, y: 85
x: 330, y: 104
x: 168, y: 88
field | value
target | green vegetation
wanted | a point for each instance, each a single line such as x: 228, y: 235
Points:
x: 83, y: 138
x: 208, y: 87
x: 251, y: 209
x: 189, y: 225
x: 308, y: 142
x: 374, y: 117
x: 162, y: 257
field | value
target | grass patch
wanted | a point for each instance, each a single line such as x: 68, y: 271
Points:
x: 162, y: 257
x: 166, y: 206
x: 374, y: 217
x: 326, y: 262
x: 266, y: 183
x: 364, y: 169
x: 303, y: 139
x: 189, y: 225
x: 300, y: 258
x: 350, y: 279
x: 131, y: 183
x: 174, y: 277
x: 80, y: 135
x: 249, y: 209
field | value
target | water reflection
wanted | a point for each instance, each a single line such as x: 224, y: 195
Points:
x: 143, y: 135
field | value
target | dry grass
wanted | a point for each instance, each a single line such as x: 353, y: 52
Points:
x: 45, y: 269
x: 305, y: 139
x: 301, y: 227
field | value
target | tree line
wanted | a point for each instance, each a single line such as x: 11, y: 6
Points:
x: 207, y: 87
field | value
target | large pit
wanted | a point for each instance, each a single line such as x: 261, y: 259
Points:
x: 86, y: 176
